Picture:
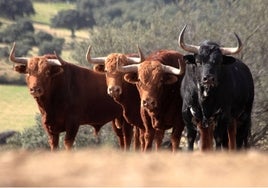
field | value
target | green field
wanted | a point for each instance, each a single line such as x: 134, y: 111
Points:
x: 17, y: 108
x: 45, y: 11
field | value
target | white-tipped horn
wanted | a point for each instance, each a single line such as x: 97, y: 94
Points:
x: 186, y: 47
x: 127, y: 68
x: 232, y: 50
x: 12, y: 58
x: 96, y: 60
x: 172, y: 70
x: 135, y: 60
x: 54, y: 62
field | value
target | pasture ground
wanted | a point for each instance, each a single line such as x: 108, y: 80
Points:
x: 107, y: 167
x: 17, y: 108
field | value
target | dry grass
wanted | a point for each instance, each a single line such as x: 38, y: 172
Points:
x: 107, y: 167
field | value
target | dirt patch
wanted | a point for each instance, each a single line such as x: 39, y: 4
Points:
x: 107, y: 167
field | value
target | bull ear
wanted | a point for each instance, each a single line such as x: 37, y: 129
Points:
x: 55, y: 70
x: 99, y: 68
x: 20, y: 68
x: 170, y: 79
x: 189, y: 59
x: 131, y: 78
x: 228, y: 60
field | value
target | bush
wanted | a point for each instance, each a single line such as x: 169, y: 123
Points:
x: 48, y: 47
x: 36, y: 138
x: 42, y: 36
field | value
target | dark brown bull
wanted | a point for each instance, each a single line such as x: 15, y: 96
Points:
x: 124, y: 93
x: 68, y: 96
x: 158, y: 83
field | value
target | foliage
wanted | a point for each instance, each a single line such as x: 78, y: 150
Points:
x: 36, y: 138
x: 48, y: 47
x: 17, y: 31
x: 13, y: 9
x: 71, y: 19
x: 42, y: 36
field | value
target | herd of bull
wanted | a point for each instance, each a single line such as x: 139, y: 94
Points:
x: 208, y: 91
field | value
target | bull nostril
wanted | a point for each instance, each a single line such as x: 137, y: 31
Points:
x: 144, y: 103
x: 110, y: 90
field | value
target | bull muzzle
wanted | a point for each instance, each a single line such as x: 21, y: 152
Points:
x: 149, y: 104
x: 36, y: 91
x: 114, y: 91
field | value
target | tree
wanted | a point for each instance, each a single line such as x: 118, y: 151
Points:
x: 71, y: 19
x: 17, y: 31
x: 16, y: 8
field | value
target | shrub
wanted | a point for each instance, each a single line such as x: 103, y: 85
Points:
x: 35, y: 137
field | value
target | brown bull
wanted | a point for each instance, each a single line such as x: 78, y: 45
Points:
x: 68, y: 96
x: 122, y: 92
x: 158, y: 83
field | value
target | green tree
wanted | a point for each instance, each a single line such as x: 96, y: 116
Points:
x: 71, y: 19
x: 16, y: 8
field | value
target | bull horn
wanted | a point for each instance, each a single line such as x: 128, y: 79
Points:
x: 173, y: 70
x: 232, y: 50
x: 12, y: 58
x: 186, y: 47
x: 96, y: 60
x: 135, y: 60
x: 127, y: 68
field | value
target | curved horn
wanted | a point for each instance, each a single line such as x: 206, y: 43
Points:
x: 55, y: 62
x: 135, y: 60
x: 96, y: 60
x: 173, y: 70
x: 232, y: 50
x: 186, y: 47
x: 12, y: 58
x: 127, y: 68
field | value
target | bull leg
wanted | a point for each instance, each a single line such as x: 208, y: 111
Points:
x: 191, y: 136
x: 206, y: 137
x: 149, y: 137
x: 142, y: 140
x: 53, y: 140
x: 232, y: 135
x: 176, y: 138
x: 136, y: 134
x: 70, y: 137
x: 119, y: 134
x: 158, y: 137
x: 128, y: 134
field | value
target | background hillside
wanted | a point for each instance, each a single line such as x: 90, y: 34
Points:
x: 119, y: 25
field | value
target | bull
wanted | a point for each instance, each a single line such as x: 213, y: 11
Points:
x: 218, y: 94
x: 158, y: 84
x: 68, y: 96
x: 122, y: 92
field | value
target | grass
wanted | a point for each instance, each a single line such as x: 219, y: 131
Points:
x: 17, y: 108
x: 45, y: 11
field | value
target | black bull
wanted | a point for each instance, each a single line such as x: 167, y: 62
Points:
x: 218, y: 94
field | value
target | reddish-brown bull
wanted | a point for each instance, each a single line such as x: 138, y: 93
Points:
x: 158, y: 83
x: 124, y: 93
x: 68, y: 96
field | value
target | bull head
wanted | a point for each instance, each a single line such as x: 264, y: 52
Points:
x: 100, y: 61
x: 195, y: 49
x: 22, y: 61
x: 166, y: 68
x: 37, y: 77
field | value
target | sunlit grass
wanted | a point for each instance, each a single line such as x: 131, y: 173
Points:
x: 17, y: 108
